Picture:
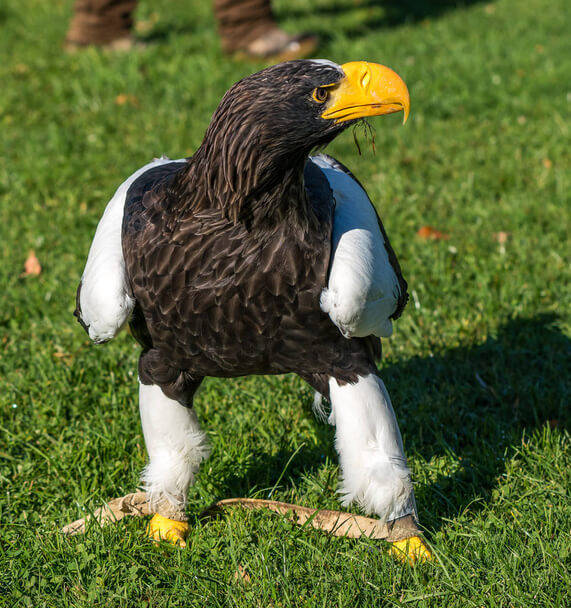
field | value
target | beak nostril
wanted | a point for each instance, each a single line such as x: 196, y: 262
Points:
x: 365, y: 79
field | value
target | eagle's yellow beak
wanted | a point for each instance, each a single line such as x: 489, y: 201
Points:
x: 368, y: 89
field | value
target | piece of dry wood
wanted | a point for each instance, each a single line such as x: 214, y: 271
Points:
x: 336, y: 523
x: 136, y: 504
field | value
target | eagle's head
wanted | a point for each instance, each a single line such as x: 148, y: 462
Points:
x: 298, y: 105
x: 267, y: 124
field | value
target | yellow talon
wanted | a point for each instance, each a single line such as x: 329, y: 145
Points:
x: 412, y: 549
x: 169, y: 530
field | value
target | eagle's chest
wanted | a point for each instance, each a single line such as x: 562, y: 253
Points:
x: 215, y: 297
x: 226, y: 301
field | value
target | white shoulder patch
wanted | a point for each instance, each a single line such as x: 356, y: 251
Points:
x: 326, y: 62
x: 105, y: 302
x: 363, y: 289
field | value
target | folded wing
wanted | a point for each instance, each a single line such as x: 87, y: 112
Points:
x: 366, y: 289
x: 104, y: 301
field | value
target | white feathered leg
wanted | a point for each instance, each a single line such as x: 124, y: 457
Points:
x: 176, y: 447
x: 373, y: 465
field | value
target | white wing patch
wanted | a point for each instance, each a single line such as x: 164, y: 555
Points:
x: 327, y: 63
x: 363, y: 289
x: 104, y: 299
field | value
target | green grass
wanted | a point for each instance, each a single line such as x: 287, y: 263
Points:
x: 478, y: 366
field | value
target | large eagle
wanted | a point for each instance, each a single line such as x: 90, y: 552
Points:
x: 253, y: 257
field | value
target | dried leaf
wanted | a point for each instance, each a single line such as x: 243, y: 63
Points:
x: 32, y: 265
x: 501, y: 237
x: 242, y: 575
x: 429, y: 232
x: 67, y: 358
x: 123, y: 99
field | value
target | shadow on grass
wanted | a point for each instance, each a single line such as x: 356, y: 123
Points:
x: 476, y: 403
x: 164, y: 32
x: 472, y: 403
x: 351, y: 19
x: 357, y: 18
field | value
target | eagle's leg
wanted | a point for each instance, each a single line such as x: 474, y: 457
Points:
x: 373, y: 464
x: 176, y: 447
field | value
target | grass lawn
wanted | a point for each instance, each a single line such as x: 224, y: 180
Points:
x: 478, y: 367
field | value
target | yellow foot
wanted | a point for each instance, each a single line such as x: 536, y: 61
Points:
x: 412, y: 549
x: 170, y: 530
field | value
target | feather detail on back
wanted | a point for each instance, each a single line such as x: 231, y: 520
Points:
x: 363, y: 289
x: 104, y: 301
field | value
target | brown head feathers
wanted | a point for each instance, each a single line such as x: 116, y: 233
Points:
x: 250, y: 163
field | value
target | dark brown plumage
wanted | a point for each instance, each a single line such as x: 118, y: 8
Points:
x: 252, y: 257
x: 226, y: 256
x: 216, y: 299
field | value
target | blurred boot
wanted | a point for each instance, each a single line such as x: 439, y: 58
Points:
x: 249, y: 30
x: 105, y: 23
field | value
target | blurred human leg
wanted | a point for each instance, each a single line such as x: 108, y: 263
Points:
x: 248, y: 28
x: 101, y: 22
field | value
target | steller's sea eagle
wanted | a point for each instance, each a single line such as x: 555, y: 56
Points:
x: 253, y: 257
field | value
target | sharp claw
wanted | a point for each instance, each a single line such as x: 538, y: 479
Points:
x: 169, y: 530
x: 412, y: 549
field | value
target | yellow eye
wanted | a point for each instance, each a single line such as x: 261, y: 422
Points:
x: 320, y: 94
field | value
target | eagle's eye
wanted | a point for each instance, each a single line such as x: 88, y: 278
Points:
x: 320, y: 94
